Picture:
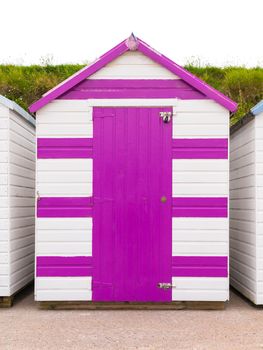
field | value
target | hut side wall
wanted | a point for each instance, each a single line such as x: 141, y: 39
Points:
x: 4, y: 224
x: 259, y: 206
x: 22, y: 201
x: 243, y: 237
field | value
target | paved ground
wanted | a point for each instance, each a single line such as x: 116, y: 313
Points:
x: 238, y: 327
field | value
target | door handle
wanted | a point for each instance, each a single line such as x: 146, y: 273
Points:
x: 163, y: 199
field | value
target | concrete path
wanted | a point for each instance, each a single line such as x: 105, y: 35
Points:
x: 238, y: 327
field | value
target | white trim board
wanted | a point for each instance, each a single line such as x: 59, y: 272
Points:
x: 136, y: 102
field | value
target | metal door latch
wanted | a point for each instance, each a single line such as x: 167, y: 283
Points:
x: 166, y: 116
x: 165, y: 285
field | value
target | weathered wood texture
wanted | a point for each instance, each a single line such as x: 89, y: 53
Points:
x: 6, y: 302
x: 175, y: 305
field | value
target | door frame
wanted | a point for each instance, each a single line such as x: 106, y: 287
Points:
x: 139, y: 103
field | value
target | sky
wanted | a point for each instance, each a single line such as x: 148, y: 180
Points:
x: 222, y: 32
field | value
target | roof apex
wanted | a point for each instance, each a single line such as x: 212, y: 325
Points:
x: 131, y: 44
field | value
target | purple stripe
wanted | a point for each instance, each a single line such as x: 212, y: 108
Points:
x: 200, y: 266
x: 115, y: 88
x: 70, y: 207
x: 132, y: 93
x: 62, y: 266
x: 133, y: 84
x: 48, y: 148
x: 202, y: 207
x: 200, y: 149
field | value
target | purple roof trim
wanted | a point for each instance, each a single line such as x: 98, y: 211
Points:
x: 79, y: 76
x: 151, y: 53
x: 188, y: 77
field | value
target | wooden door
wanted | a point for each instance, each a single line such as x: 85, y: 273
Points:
x: 132, y: 222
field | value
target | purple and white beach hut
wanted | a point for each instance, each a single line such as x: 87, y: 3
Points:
x: 132, y: 183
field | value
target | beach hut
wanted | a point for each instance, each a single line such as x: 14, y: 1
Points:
x: 132, y: 184
x: 246, y: 205
x: 17, y: 193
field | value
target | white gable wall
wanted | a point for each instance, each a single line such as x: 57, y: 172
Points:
x: 133, y: 65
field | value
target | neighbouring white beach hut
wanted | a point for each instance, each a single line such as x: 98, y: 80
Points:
x: 246, y: 205
x: 132, y: 181
x: 17, y: 193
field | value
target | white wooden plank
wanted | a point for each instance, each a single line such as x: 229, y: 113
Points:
x: 199, y: 177
x: 200, y: 190
x: 199, y: 118
x: 3, y: 258
x: 200, y: 289
x: 61, y: 288
x: 200, y: 106
x: 204, y: 165
x: 199, y: 248
x: 68, y: 177
x: 132, y: 102
x: 65, y: 117
x: 17, y: 149
x: 65, y: 130
x: 66, y: 165
x: 64, y: 236
x: 64, y: 248
x: 64, y: 106
x: 200, y: 131
x: 198, y: 235
x: 73, y: 224
x: 60, y: 295
x: 65, y: 179
x: 200, y: 223
x: 22, y: 162
x: 50, y: 283
x: 63, y: 189
x: 4, y: 281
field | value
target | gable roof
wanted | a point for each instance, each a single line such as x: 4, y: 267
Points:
x: 258, y: 108
x: 132, y: 44
x: 16, y: 108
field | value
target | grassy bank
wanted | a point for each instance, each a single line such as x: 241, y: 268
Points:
x: 25, y: 84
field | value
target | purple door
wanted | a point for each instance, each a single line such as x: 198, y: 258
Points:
x: 132, y: 222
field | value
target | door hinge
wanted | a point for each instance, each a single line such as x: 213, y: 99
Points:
x: 165, y: 285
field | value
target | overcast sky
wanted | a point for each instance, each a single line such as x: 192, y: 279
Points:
x: 221, y: 32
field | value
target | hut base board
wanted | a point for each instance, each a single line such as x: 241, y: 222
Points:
x: 7, y: 301
x: 176, y: 305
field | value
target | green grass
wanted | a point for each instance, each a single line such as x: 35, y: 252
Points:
x: 26, y: 84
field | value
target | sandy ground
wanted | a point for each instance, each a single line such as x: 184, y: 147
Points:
x: 238, y: 327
